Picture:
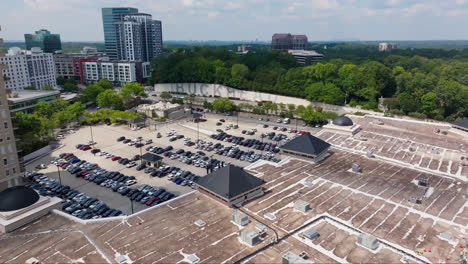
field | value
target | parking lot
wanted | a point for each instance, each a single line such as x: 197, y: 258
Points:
x: 106, y: 139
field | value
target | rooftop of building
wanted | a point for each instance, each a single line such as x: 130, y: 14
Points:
x: 307, y: 144
x: 281, y: 35
x: 299, y: 36
x: 304, y: 52
x: 22, y: 96
x: 230, y: 181
x: 461, y: 123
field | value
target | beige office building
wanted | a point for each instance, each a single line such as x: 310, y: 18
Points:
x: 9, y: 162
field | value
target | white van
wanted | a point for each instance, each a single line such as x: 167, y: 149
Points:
x: 286, y: 121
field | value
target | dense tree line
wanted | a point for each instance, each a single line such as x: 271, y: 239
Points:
x: 421, y: 82
x: 36, y: 130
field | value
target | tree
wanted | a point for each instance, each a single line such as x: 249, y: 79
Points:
x: 207, y: 105
x: 165, y: 96
x: 349, y: 80
x: 61, y: 81
x: 91, y: 92
x: 239, y: 71
x: 129, y: 91
x: 104, y: 83
x: 48, y: 88
x: 223, y: 104
x: 29, y: 88
x: 70, y: 87
x: 429, y: 104
x: 110, y: 99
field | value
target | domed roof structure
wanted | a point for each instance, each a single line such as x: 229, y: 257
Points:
x: 16, y: 198
x: 343, y: 121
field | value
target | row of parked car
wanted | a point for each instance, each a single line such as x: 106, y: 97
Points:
x: 121, y: 183
x: 74, y: 202
x: 250, y: 143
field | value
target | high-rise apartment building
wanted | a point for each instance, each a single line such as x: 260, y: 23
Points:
x: 70, y: 65
x: 9, y: 162
x: 286, y: 41
x: 43, y: 39
x: 110, y: 16
x: 135, y: 36
x: 117, y: 72
x: 28, y: 68
x: 387, y: 46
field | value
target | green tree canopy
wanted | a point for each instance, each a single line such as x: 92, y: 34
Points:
x: 223, y: 104
x: 110, y: 99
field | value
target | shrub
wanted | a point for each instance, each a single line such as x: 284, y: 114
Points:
x: 450, y: 118
x: 377, y: 110
x: 318, y: 109
x: 359, y: 113
x: 396, y: 112
x: 353, y: 103
x: 439, y: 117
x: 366, y: 107
x: 417, y: 115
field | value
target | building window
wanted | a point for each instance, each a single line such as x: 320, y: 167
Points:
x: 5, y: 124
x: 5, y: 161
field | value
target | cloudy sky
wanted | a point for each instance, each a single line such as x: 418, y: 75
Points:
x: 80, y: 20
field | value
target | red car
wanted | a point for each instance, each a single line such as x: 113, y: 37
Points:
x: 303, y: 132
x: 84, y: 174
x: 115, y: 158
x: 86, y: 148
x: 63, y: 164
x: 294, y: 131
x: 152, y: 200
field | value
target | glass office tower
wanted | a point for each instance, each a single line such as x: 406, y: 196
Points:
x: 109, y: 17
x: 49, y: 43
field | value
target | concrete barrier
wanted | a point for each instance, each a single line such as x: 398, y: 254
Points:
x: 219, y: 90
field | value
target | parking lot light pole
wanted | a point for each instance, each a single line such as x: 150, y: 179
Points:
x: 198, y: 131
x: 60, y: 177
x: 91, y: 129
x: 131, y: 202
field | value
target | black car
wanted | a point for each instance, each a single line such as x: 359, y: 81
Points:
x: 179, y: 151
x: 125, y: 141
x: 140, y: 167
x: 94, y: 151
x: 139, y: 145
x: 120, y: 139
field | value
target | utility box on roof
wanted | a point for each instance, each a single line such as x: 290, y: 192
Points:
x: 240, y: 218
x: 311, y: 234
x: 249, y: 237
x: 291, y: 258
x: 302, y: 206
x: 356, y: 167
x: 368, y: 241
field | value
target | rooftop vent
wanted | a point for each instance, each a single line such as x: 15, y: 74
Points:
x: 356, y: 167
x: 199, y: 222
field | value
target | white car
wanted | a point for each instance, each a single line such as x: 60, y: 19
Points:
x: 131, y: 143
x: 130, y: 182
x: 131, y: 164
x: 41, y: 166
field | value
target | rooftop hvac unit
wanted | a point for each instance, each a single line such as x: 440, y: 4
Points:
x: 311, y: 234
x: 302, y: 206
x: 368, y: 241
x: 240, y: 218
x: 356, y: 167
x: 423, y: 182
x: 291, y: 258
x: 249, y: 237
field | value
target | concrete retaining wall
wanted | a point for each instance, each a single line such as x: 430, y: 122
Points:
x: 219, y: 90
x: 43, y: 151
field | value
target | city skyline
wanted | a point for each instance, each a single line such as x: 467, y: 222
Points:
x: 249, y: 20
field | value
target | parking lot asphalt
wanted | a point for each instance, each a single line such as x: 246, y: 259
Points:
x: 106, y: 138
